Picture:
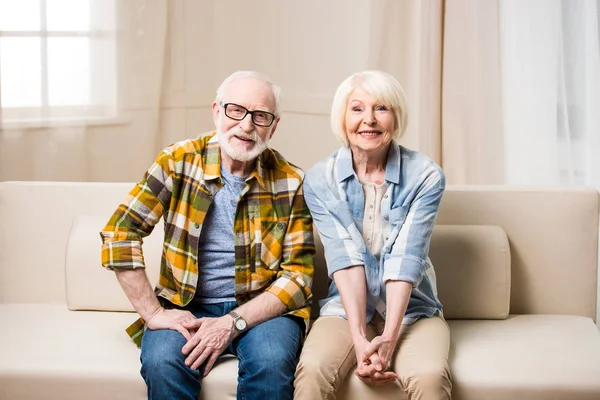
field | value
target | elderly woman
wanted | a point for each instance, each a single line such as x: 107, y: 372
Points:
x: 374, y: 203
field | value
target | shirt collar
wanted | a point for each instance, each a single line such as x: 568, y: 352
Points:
x: 212, y: 159
x: 392, y: 167
x: 259, y: 170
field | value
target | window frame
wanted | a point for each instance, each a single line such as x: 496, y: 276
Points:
x: 46, y: 115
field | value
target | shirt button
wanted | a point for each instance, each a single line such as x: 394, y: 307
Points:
x: 385, y: 196
x: 371, y: 206
x: 196, y: 225
x: 370, y: 217
x: 386, y: 217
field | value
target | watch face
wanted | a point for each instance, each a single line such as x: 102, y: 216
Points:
x: 240, y: 324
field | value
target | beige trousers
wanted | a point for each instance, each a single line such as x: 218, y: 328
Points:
x: 420, y: 359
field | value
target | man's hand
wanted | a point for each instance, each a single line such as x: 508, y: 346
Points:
x: 171, y: 319
x: 211, y: 338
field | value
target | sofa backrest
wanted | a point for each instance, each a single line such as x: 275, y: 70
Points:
x: 472, y: 263
x: 553, y: 235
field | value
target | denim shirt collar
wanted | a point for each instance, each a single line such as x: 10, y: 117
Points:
x: 392, y: 167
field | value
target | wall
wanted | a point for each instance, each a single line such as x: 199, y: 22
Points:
x: 173, y: 57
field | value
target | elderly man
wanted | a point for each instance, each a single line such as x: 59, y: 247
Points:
x: 237, y: 259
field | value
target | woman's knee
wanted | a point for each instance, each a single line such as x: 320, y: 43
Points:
x: 429, y: 383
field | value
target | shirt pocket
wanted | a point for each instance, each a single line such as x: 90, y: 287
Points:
x: 398, y: 215
x: 271, y: 244
x: 397, y: 220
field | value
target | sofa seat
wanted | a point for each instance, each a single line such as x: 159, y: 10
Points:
x: 79, y: 352
x: 522, y: 357
x: 533, y: 357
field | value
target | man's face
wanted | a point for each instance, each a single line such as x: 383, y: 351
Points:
x: 244, y: 140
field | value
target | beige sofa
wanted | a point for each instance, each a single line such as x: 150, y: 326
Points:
x: 516, y: 267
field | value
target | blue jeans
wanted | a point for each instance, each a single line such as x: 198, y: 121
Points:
x: 267, y: 354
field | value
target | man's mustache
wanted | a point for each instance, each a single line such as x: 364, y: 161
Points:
x: 244, y: 135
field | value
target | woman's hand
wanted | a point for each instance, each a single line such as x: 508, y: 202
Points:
x: 370, y: 368
x: 383, y: 348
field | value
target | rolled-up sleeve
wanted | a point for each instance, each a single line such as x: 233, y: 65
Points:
x: 136, y: 217
x: 408, y: 259
x: 333, y: 218
x: 294, y: 281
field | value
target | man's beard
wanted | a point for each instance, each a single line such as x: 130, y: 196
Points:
x: 240, y: 153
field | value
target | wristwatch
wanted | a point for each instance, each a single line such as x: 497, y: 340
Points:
x: 239, y: 323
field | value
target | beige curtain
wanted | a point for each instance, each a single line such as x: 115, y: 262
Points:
x: 97, y: 141
x: 446, y: 55
x: 406, y: 41
x: 472, y: 127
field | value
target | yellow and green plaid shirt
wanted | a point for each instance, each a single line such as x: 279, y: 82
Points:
x: 273, y: 235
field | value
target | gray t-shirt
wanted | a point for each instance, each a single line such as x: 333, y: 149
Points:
x: 216, y: 257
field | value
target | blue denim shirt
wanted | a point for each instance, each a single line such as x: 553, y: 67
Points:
x: 335, y: 197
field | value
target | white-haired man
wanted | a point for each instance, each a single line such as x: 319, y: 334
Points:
x: 237, y: 262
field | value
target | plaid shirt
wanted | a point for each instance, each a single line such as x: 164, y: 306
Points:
x: 273, y: 234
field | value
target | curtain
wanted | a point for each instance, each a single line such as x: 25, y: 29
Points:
x: 472, y: 126
x: 406, y: 42
x: 550, y: 61
x: 521, y: 92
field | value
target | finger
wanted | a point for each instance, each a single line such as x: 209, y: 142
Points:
x: 377, y: 363
x: 371, y: 348
x: 383, y: 378
x: 378, y: 382
x: 179, y: 328
x: 364, y: 370
x: 203, y: 357
x: 379, y: 379
x: 384, y: 375
x: 193, y: 356
x: 192, y: 324
x: 211, y: 361
x: 192, y: 343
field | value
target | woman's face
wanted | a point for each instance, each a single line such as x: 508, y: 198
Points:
x: 369, y: 125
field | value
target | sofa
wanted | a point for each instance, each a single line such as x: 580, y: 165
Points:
x: 516, y: 271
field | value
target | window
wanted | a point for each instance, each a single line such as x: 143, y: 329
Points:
x: 57, y: 60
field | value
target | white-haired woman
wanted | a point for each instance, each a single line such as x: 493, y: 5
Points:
x: 374, y: 203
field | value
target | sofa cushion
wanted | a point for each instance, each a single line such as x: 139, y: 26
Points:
x: 472, y: 266
x: 534, y: 357
x: 91, y: 287
x: 50, y: 352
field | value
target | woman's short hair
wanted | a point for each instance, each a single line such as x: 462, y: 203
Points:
x: 249, y: 74
x: 384, y: 89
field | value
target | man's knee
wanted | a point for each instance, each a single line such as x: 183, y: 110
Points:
x: 276, y: 359
x: 161, y: 352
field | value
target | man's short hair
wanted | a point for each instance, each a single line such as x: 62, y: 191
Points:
x: 384, y: 89
x: 245, y: 75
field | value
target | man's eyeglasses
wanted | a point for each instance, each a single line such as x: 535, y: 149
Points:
x: 238, y: 113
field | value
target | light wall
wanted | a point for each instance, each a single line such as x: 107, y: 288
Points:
x: 171, y: 66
